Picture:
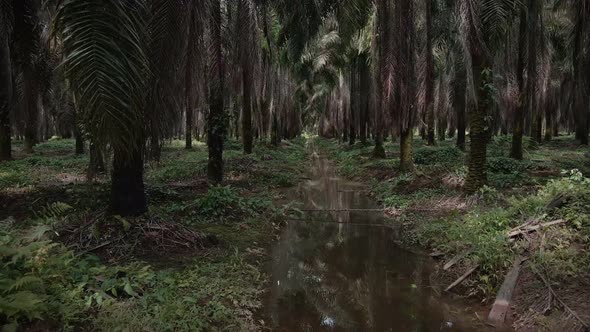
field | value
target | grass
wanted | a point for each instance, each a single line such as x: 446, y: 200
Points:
x: 52, y: 163
x: 209, y: 295
x: 219, y: 288
x: 517, y: 191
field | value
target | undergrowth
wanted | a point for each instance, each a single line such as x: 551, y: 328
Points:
x: 210, y: 295
x: 45, y: 284
x: 485, y: 230
x: 514, y: 195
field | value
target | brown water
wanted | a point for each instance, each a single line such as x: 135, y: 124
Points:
x: 342, y: 271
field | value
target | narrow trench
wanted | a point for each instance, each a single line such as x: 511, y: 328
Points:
x: 341, y: 270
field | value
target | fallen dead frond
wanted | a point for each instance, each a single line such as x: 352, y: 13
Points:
x: 116, y: 238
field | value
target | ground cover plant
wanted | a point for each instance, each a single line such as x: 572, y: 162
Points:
x: 68, y: 265
x: 150, y: 147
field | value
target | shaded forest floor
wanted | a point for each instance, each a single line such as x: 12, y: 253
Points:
x: 194, y: 263
x: 551, y: 183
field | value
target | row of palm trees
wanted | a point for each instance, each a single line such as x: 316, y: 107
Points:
x: 444, y: 67
x: 125, y: 75
x: 129, y: 75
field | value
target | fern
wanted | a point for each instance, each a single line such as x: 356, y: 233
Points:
x: 22, y: 283
x: 25, y: 303
x: 53, y: 211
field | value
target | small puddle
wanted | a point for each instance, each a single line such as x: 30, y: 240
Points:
x: 342, y: 270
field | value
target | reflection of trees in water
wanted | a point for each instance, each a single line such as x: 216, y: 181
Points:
x: 349, y: 274
x: 343, y: 272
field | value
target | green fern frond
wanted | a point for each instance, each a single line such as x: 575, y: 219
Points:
x: 53, y: 211
x: 24, y: 303
x: 22, y: 283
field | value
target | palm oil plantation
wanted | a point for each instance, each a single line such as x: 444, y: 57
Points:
x: 294, y: 165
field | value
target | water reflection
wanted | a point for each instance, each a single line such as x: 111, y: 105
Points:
x: 329, y: 273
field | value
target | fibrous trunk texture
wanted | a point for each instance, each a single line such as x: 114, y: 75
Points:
x: 216, y: 124
x: 5, y: 99
x: 127, y: 188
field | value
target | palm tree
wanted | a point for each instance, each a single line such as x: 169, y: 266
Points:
x: 174, y: 48
x: 25, y: 70
x: 6, y: 23
x: 216, y: 117
x: 383, y: 73
x: 105, y: 60
x: 247, y: 46
x: 518, y: 125
x: 483, y: 24
x: 406, y: 73
x: 581, y: 65
x: 429, y: 75
x: 191, y: 54
x: 532, y: 70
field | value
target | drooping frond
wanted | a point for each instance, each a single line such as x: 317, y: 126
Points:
x: 26, y: 32
x: 6, y: 17
x: 166, y: 40
x: 103, y: 44
x: 496, y: 16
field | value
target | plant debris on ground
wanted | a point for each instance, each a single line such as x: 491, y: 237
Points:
x: 192, y: 263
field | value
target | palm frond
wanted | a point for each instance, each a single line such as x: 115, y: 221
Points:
x: 6, y: 17
x: 165, y: 46
x: 107, y: 66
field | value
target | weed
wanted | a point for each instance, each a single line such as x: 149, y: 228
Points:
x: 437, y: 155
x: 225, y: 203
x: 41, y: 279
x: 209, y: 295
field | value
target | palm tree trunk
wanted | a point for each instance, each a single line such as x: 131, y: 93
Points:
x: 442, y: 128
x: 188, y: 133
x: 364, y: 99
x: 518, y: 125
x: 531, y: 87
x: 406, y: 159
x: 581, y: 64
x: 79, y: 141
x: 549, y: 115
x: 459, y: 103
x: 477, y: 175
x: 245, y: 46
x: 155, y: 152
x: 407, y: 83
x: 247, y: 109
x: 127, y: 188
x: 383, y: 19
x: 31, y: 107
x: 5, y: 99
x: 274, y: 129
x: 188, y: 81
x: 77, y: 132
x: 354, y: 99
x: 429, y: 79
x: 96, y: 165
x: 216, y: 122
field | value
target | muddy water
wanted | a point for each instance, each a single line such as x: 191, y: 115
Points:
x: 342, y: 270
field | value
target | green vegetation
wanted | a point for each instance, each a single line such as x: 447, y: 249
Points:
x: 485, y: 231
x: 519, y: 191
x: 51, y: 279
x: 135, y: 229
